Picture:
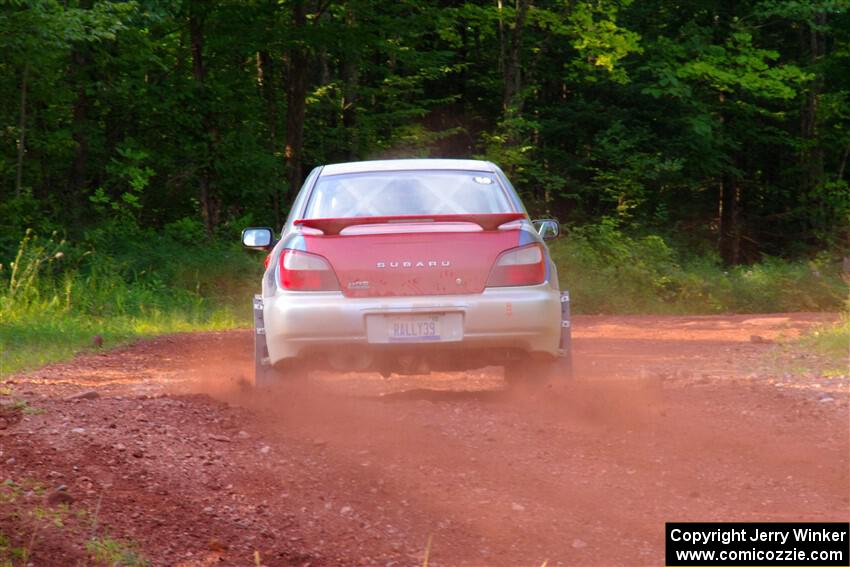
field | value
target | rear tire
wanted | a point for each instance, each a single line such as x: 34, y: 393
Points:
x: 555, y: 372
x: 563, y: 370
x: 264, y: 374
x: 267, y: 376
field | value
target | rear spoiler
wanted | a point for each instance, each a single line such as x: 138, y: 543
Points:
x: 487, y: 221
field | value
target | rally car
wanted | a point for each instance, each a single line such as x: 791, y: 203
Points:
x: 408, y: 266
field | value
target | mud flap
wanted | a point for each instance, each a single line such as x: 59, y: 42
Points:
x: 261, y: 351
x: 266, y: 375
x: 565, y: 347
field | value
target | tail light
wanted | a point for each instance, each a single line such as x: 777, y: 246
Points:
x: 525, y: 265
x: 301, y: 271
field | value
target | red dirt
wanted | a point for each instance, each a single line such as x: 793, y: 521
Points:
x: 672, y: 419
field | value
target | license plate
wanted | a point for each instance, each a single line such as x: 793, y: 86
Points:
x: 414, y: 328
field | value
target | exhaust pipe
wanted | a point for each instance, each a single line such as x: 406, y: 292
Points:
x: 350, y: 360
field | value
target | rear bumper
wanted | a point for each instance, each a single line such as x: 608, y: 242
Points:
x: 520, y: 318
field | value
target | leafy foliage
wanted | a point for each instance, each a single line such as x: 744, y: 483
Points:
x: 832, y: 340
x: 649, y: 112
x: 55, y: 297
x: 115, y: 552
x: 608, y: 271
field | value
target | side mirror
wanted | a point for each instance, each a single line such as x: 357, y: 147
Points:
x: 548, y: 229
x: 257, y: 238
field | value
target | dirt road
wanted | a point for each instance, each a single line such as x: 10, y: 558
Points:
x: 676, y: 418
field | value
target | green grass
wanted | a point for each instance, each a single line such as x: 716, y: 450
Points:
x: 610, y: 271
x: 115, y: 552
x: 36, y: 337
x: 55, y: 298
x: 24, y: 407
x: 10, y: 554
x: 36, y: 523
x: 832, y: 341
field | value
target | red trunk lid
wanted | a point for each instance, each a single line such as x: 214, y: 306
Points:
x: 445, y: 257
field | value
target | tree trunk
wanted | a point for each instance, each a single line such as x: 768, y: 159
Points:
x: 265, y: 77
x: 351, y: 78
x: 512, y: 102
x: 502, y: 44
x: 843, y: 163
x: 812, y: 158
x: 729, y: 244
x: 196, y: 39
x: 729, y: 200
x: 296, y: 103
x: 80, y: 62
x: 22, y: 131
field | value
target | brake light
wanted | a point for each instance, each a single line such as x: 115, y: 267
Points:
x: 519, y: 266
x: 301, y: 271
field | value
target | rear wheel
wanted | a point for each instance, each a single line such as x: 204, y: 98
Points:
x: 554, y: 372
x: 267, y: 376
x: 263, y: 373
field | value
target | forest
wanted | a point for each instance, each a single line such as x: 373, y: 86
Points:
x: 695, y: 151
x: 724, y: 122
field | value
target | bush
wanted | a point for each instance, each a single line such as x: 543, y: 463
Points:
x: 54, y: 296
x: 832, y: 341
x: 609, y: 271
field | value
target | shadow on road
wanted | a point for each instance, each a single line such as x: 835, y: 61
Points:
x: 435, y: 396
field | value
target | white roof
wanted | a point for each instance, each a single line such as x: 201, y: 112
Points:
x: 407, y: 165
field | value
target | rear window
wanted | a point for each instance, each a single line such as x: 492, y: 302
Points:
x: 392, y: 193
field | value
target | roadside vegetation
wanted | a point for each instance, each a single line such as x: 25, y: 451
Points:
x: 31, y: 514
x: 607, y: 270
x: 57, y: 297
x: 833, y: 343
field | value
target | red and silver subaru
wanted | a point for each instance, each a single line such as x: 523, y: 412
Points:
x: 407, y: 266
